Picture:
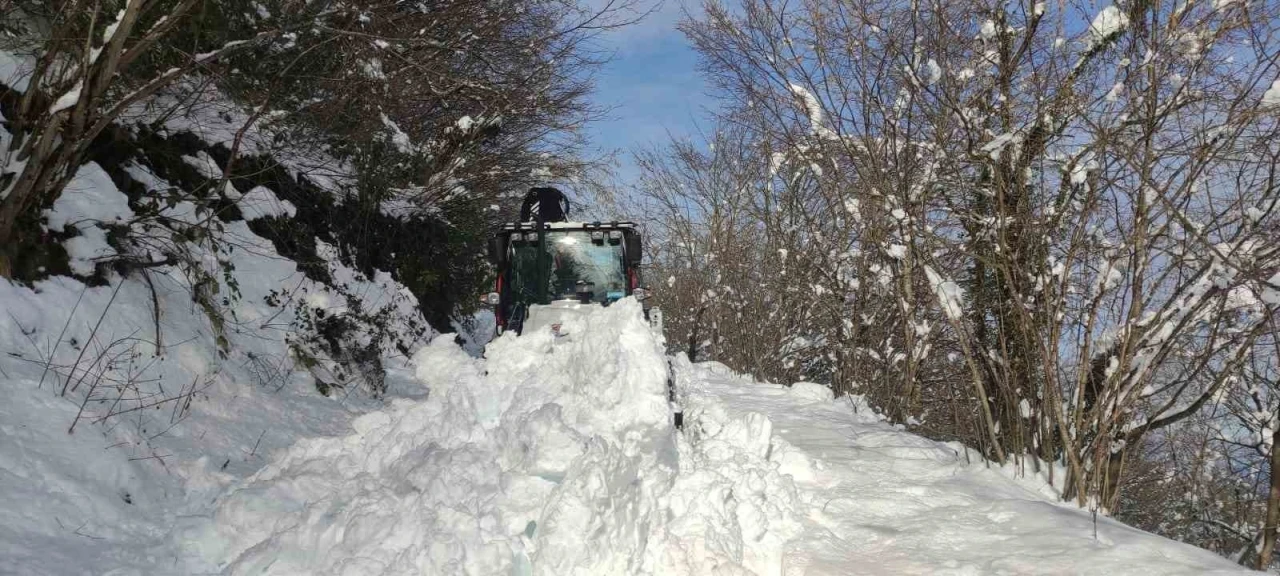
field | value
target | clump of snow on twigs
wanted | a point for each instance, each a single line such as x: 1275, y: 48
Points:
x: 813, y: 109
x: 1272, y: 96
x: 949, y: 294
x: 1108, y: 22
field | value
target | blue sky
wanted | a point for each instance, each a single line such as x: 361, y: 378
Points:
x: 652, y: 86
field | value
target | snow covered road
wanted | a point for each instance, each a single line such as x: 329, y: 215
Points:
x: 556, y: 456
x: 876, y: 500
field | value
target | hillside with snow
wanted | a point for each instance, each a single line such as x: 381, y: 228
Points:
x: 550, y: 455
x: 949, y: 288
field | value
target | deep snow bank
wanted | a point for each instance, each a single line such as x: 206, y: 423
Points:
x: 168, y: 406
x: 546, y: 458
x: 156, y: 434
x: 556, y: 456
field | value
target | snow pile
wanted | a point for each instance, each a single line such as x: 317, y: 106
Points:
x: 733, y: 508
x: 203, y: 110
x: 546, y: 459
x: 556, y: 456
x: 261, y: 202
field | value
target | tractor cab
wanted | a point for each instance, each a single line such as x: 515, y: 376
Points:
x: 548, y: 269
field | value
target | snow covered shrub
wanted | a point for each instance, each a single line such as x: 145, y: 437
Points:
x: 393, y: 133
x: 340, y: 341
x: 475, y: 97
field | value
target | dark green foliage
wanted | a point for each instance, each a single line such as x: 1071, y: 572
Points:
x: 436, y: 258
x: 435, y: 112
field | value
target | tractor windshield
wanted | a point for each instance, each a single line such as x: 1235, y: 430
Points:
x: 570, y: 256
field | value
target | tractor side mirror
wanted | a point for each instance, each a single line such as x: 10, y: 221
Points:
x: 634, y: 253
x: 497, y: 249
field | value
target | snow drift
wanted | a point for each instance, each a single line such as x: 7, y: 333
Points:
x: 556, y: 456
x: 548, y: 458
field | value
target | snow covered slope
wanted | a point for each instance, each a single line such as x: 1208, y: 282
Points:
x: 126, y: 404
x: 556, y: 456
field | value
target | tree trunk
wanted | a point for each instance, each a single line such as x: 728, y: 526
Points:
x: 1273, y: 506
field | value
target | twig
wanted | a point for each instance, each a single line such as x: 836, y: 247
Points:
x: 94, y: 332
x: 143, y: 406
x: 79, y: 533
x: 173, y: 416
x: 255, y: 444
x: 58, y: 342
x: 155, y: 309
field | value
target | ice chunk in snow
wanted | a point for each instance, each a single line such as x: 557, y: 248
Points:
x: 811, y: 392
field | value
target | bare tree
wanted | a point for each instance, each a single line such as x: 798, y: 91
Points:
x: 1049, y: 222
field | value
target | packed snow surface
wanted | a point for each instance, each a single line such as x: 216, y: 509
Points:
x: 873, y: 499
x: 556, y: 455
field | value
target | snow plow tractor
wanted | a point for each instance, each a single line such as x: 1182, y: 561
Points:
x: 550, y: 268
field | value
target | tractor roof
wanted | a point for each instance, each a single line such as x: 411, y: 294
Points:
x: 611, y: 225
